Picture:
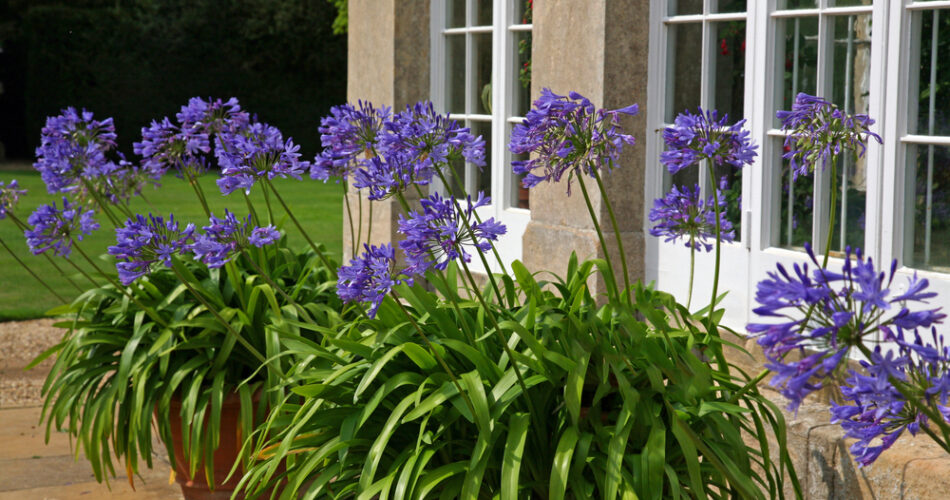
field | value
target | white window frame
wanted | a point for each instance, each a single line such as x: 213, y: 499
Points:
x: 504, y: 30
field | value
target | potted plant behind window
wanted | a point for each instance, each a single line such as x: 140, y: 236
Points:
x: 187, y: 331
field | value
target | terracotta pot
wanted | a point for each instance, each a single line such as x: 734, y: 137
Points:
x: 229, y: 444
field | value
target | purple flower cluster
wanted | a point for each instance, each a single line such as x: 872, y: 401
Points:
x: 253, y: 152
x: 705, y: 136
x: 439, y: 233
x: 842, y: 311
x: 143, y: 242
x: 73, y: 145
x: 817, y: 129
x: 370, y: 277
x: 682, y: 214
x: 567, y: 135
x: 413, y: 148
x: 55, y: 229
x: 9, y: 197
x: 346, y: 135
x: 211, y: 117
x: 225, y: 237
x: 878, y: 409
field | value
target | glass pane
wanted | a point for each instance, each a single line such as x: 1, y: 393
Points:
x: 850, y: 66
x: 684, y: 68
x: 798, y: 55
x: 522, y: 95
x: 927, y: 233
x: 851, y: 212
x: 930, y: 115
x: 455, y: 73
x: 796, y: 202
x: 730, y: 68
x: 455, y: 14
x: 482, y: 180
x: 731, y: 6
x: 483, y: 13
x: 518, y: 195
x: 848, y: 3
x: 685, y: 7
x: 685, y: 178
x: 729, y: 181
x: 453, y: 175
x: 483, y: 90
x: 797, y: 4
x: 526, y: 11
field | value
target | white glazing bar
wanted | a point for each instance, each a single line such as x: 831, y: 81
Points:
x: 791, y: 175
x: 462, y: 31
x: 520, y: 27
x: 943, y: 4
x: 936, y: 140
x: 930, y: 130
x: 830, y: 11
x: 848, y: 77
x: 696, y: 18
x: 706, y: 184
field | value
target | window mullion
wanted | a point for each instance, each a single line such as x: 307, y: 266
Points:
x: 707, y: 184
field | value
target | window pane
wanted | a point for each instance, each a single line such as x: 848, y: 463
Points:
x: 798, y: 55
x: 483, y: 13
x: 518, y: 195
x: 930, y: 84
x: 797, y: 202
x: 730, y: 68
x: 928, y: 207
x: 454, y: 176
x: 483, y: 90
x: 848, y: 3
x: 455, y: 73
x: 455, y: 14
x: 731, y: 6
x: 850, y: 67
x: 684, y: 68
x: 482, y: 180
x: 685, y: 7
x: 525, y: 10
x: 728, y: 180
x: 797, y: 4
x: 522, y: 95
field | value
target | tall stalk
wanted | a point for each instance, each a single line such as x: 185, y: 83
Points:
x: 613, y: 222
x: 33, y: 274
x: 600, y: 236
x: 300, y: 228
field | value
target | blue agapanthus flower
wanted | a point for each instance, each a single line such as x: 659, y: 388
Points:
x: 705, y: 136
x: 225, y: 237
x: 843, y: 309
x: 369, y: 277
x: 430, y: 140
x: 165, y: 145
x: 72, y: 144
x: 438, y: 234
x: 818, y: 130
x: 349, y: 137
x: 255, y: 151
x: 211, y: 116
x: 567, y: 135
x: 875, y: 412
x: 683, y: 214
x: 143, y: 242
x: 9, y: 197
x: 55, y: 229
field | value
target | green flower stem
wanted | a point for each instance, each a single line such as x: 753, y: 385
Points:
x: 24, y: 266
x: 692, y: 268
x: 277, y: 287
x: 247, y: 345
x: 250, y: 209
x: 270, y: 210
x: 478, y: 219
x: 435, y: 352
x: 193, y: 181
x: 23, y: 227
x: 300, y: 228
x: 84, y: 273
x: 832, y: 210
x: 613, y: 222
x: 600, y: 236
x: 104, y: 207
x: 359, y: 220
x: 369, y: 223
x: 712, y: 327
x: 349, y: 216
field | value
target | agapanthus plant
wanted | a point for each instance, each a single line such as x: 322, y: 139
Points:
x: 439, y: 233
x: 56, y: 229
x: 349, y: 137
x: 824, y: 316
x: 818, y: 131
x: 370, y: 277
x: 706, y: 136
x: 567, y: 135
x: 9, y: 197
x: 225, y: 237
x: 256, y: 151
x: 683, y: 214
x: 143, y: 242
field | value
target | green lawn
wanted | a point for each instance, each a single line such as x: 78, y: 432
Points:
x: 316, y: 205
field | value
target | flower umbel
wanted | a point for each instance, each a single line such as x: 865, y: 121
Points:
x: 567, y: 135
x: 225, y: 237
x: 818, y: 130
x: 143, y: 242
x: 9, y: 197
x: 253, y: 152
x: 682, y: 214
x: 843, y: 311
x: 345, y: 135
x: 54, y: 229
x: 439, y: 233
x: 71, y: 144
x: 370, y: 277
x: 705, y: 136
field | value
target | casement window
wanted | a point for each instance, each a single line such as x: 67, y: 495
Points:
x: 481, y: 76
x: 888, y: 59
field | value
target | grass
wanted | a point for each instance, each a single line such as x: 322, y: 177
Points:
x: 316, y: 205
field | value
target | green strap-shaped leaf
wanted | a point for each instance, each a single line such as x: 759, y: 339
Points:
x: 514, y: 450
x: 562, y: 464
